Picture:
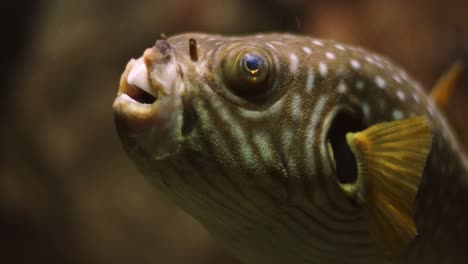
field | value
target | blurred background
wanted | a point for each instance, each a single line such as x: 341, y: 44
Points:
x: 68, y: 193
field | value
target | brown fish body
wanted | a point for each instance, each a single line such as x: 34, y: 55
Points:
x: 253, y: 164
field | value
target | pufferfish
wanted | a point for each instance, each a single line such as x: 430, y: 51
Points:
x: 291, y: 149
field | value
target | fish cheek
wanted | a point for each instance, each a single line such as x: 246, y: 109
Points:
x: 342, y: 121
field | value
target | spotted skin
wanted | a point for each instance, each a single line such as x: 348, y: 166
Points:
x: 258, y: 175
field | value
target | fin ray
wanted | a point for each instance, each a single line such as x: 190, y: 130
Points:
x: 445, y: 85
x: 391, y: 158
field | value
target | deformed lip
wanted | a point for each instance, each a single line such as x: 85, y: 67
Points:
x: 136, y: 97
x: 125, y: 105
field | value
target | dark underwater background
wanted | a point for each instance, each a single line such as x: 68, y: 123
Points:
x: 69, y: 194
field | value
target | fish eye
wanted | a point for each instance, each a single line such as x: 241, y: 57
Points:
x: 252, y: 69
x: 247, y: 74
x: 252, y: 63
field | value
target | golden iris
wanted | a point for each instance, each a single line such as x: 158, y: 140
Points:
x: 247, y: 73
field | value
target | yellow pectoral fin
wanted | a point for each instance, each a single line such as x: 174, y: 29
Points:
x: 391, y: 158
x: 445, y: 85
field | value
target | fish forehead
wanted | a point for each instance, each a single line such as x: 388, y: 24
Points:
x: 317, y: 67
x: 317, y: 76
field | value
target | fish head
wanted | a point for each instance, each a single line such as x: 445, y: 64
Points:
x: 170, y: 99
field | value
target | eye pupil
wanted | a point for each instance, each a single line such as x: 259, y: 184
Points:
x: 252, y: 63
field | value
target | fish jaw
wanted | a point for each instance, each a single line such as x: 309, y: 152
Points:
x: 148, y: 108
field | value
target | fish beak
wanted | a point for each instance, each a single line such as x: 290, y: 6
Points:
x: 138, y: 78
x: 148, y: 103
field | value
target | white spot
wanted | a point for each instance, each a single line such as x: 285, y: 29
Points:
x: 323, y: 69
x: 310, y: 137
x: 380, y: 65
x: 307, y: 50
x: 378, y: 60
x: 289, y: 36
x: 310, y: 80
x: 416, y: 97
x: 404, y: 75
x: 318, y: 43
x: 330, y: 55
x: 341, y: 88
x: 339, y: 47
x: 375, y: 57
x: 360, y: 85
x: 355, y: 64
x: 401, y: 95
x: 278, y: 43
x: 293, y: 63
x: 397, y: 114
x: 264, y: 146
x: 296, y: 106
x: 397, y: 79
x: 374, y: 61
x: 271, y: 46
x: 380, y: 82
x: 365, y: 109
x: 218, y: 43
x: 259, y: 36
x: 369, y: 59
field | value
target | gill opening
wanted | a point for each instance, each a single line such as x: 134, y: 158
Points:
x: 344, y: 120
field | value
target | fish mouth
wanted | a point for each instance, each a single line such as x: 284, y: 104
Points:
x: 137, y: 85
x: 136, y: 98
x: 148, y: 106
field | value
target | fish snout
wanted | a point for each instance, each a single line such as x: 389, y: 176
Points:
x: 149, y: 101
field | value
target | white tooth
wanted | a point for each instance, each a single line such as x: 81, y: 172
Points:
x: 138, y: 77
